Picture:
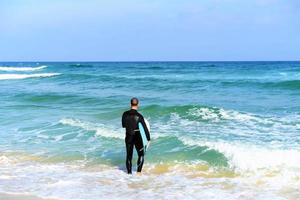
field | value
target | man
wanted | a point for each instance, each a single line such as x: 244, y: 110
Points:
x: 130, y: 120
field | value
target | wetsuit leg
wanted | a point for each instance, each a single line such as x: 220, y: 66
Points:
x: 129, y: 152
x: 140, y: 151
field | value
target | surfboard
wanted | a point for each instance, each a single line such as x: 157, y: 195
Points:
x: 143, y: 134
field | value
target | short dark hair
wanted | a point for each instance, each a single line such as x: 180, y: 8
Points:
x: 134, y: 101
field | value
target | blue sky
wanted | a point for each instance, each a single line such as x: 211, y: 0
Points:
x: 149, y: 30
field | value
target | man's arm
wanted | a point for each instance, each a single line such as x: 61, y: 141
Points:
x: 123, y: 120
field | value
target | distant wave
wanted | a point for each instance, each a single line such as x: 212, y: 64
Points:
x: 280, y: 84
x: 81, y: 65
x: 98, y: 128
x: 24, y: 76
x: 21, y: 69
x: 291, y: 84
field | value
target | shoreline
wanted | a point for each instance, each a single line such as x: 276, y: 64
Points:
x: 20, y: 196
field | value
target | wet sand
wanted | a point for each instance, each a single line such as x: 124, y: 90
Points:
x: 16, y: 196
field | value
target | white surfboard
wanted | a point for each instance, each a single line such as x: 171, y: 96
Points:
x: 143, y: 134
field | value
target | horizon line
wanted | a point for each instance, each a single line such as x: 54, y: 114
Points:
x: 149, y: 61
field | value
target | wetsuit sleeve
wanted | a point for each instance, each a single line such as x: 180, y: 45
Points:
x: 123, y: 120
x: 145, y: 128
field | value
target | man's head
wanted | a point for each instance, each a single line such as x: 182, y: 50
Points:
x: 134, y: 102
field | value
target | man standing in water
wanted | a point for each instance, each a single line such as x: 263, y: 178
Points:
x: 130, y: 121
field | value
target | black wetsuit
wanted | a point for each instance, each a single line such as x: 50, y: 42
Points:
x: 130, y: 120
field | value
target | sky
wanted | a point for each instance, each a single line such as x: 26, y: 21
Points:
x: 149, y: 30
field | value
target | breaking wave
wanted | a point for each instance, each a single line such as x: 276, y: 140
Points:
x: 22, y: 69
x: 24, y: 76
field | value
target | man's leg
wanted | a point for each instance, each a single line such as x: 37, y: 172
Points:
x: 129, y: 152
x: 140, y: 151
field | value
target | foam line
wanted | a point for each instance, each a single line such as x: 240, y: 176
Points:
x: 24, y: 76
x: 21, y: 69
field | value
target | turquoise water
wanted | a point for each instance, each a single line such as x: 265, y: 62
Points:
x: 213, y: 124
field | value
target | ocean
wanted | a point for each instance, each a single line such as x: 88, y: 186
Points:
x: 220, y: 130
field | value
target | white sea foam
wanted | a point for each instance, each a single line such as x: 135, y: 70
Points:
x: 263, y: 172
x: 251, y: 158
x: 217, y: 114
x: 74, y: 181
x: 24, y: 76
x: 250, y: 142
x: 21, y: 69
x: 4, y: 160
x: 243, y: 156
x: 245, y: 151
x: 221, y: 121
x: 100, y: 129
